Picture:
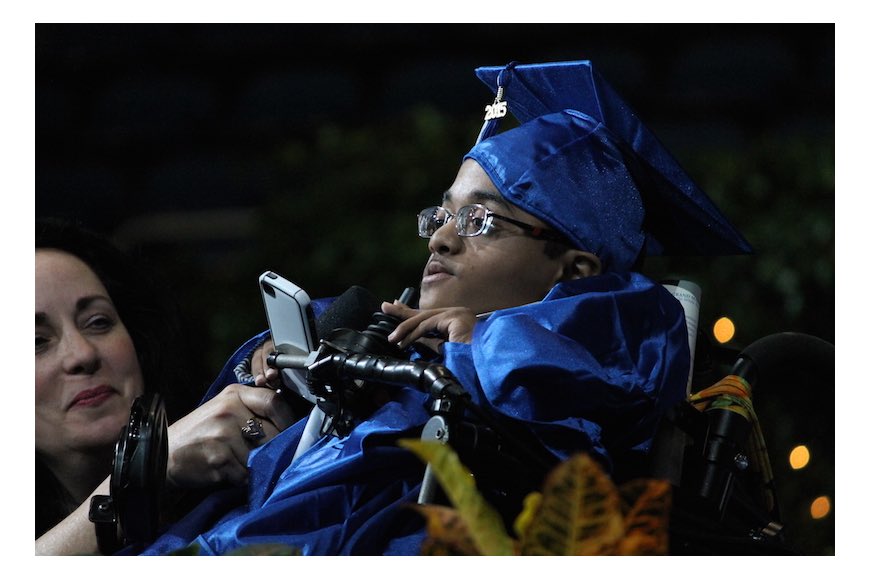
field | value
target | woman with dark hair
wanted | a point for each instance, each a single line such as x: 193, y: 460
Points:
x: 104, y: 338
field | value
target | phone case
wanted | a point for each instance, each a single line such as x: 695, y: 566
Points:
x: 291, y: 321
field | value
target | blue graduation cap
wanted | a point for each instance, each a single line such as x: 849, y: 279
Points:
x: 583, y: 162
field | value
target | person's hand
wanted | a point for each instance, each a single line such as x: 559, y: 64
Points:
x: 264, y: 375
x: 451, y: 324
x: 207, y: 446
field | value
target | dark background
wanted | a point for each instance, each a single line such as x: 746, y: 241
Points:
x: 221, y: 151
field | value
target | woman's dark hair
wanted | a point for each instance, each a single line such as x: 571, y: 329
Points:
x: 151, y: 318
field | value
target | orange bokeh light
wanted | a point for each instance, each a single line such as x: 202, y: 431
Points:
x: 799, y: 457
x: 820, y: 507
x: 723, y: 330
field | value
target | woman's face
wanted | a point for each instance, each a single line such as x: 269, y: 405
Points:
x: 87, y: 373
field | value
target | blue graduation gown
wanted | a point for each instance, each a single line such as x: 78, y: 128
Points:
x: 591, y: 367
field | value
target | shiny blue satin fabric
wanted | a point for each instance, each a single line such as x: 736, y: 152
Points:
x: 591, y: 367
x: 584, y: 163
x: 567, y: 169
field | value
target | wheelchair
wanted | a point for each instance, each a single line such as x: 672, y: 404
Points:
x: 710, y: 447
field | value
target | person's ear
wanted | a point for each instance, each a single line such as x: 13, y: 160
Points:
x: 580, y: 264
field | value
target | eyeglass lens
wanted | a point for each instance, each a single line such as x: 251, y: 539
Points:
x: 470, y: 220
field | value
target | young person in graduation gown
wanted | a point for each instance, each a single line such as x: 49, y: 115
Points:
x: 531, y: 297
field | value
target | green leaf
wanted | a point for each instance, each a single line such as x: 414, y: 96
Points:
x: 531, y: 505
x: 485, y: 525
x: 266, y: 550
x: 191, y: 550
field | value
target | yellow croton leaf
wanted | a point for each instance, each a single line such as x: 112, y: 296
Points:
x: 446, y: 532
x: 485, y: 526
x: 579, y: 512
x: 531, y: 504
x: 647, y: 516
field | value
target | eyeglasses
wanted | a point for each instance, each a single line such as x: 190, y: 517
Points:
x: 474, y: 220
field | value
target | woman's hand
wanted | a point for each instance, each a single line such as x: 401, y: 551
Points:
x: 450, y: 324
x: 207, y: 446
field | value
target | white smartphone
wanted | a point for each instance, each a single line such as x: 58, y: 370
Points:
x: 291, y: 320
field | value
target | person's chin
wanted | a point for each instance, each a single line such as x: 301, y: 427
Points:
x: 102, y: 432
x: 431, y: 297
